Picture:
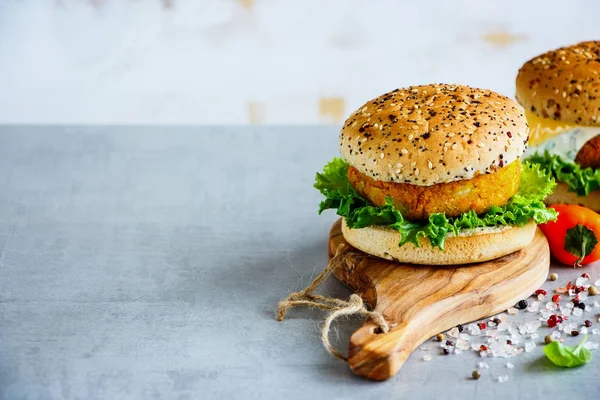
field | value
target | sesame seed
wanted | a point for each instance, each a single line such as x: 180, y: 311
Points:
x: 404, y: 151
x: 381, y: 156
x: 480, y: 145
x: 454, y: 146
x: 430, y: 164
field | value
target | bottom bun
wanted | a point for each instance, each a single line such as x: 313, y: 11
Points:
x: 562, y: 195
x: 467, y: 247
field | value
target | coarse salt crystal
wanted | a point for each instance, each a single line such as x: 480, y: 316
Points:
x: 551, y: 305
x: 427, y: 358
x: 529, y: 346
x: 457, y: 351
x: 568, y: 328
x: 483, y: 365
x: 464, y: 336
x: 503, y: 378
x: 597, y: 283
x: 532, y: 326
x: 583, y: 330
x: 462, y: 344
x: 540, y: 296
x: 597, y: 304
x: 581, y: 281
x: 595, y: 331
x: 512, y: 311
x: 534, y: 306
x: 515, y: 339
x: 491, y: 333
x: 509, y: 365
x: 474, y: 330
x: 569, y: 305
x: 577, y: 311
x: 454, y: 332
x: 583, y: 296
x: 556, y: 334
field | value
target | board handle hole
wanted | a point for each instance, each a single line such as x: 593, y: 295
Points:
x: 377, y: 330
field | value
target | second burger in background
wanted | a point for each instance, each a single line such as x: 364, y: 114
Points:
x: 560, y: 91
x: 431, y: 175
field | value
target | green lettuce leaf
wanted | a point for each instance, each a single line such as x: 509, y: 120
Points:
x: 580, y: 180
x: 525, y: 205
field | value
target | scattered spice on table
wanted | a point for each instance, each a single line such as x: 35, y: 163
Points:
x: 569, y: 313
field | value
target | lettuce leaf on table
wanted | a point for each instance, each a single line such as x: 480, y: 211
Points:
x: 580, y: 180
x: 525, y: 205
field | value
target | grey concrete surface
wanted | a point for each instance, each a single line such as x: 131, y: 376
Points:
x: 146, y: 263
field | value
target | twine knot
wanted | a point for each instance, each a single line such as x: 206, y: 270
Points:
x: 337, y: 307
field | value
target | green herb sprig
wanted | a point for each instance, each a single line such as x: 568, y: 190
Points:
x: 568, y: 356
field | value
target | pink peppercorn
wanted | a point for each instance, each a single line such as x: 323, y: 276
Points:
x: 553, y: 321
x: 556, y: 298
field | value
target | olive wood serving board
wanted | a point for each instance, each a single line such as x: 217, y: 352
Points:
x: 419, y: 301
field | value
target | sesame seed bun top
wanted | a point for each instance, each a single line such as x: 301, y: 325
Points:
x: 563, y: 84
x: 424, y: 135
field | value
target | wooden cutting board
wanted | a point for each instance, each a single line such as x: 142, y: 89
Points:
x: 421, y: 301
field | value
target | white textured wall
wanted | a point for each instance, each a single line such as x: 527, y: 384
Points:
x: 260, y: 61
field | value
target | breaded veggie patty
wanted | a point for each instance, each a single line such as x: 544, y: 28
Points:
x: 453, y: 198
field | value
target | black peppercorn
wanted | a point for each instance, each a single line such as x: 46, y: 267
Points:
x: 460, y: 327
x: 508, y: 341
x: 581, y: 305
x: 446, y: 351
x: 449, y: 343
x: 575, y: 333
x: 588, y: 323
x: 521, y: 305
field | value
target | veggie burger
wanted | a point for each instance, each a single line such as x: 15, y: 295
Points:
x: 432, y: 175
x: 560, y: 91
